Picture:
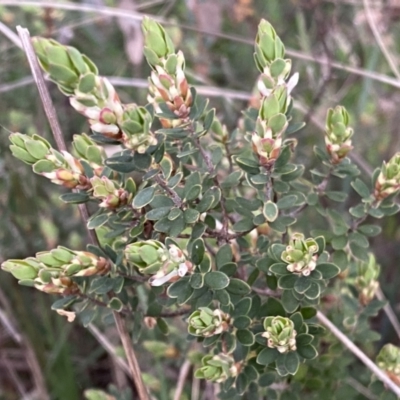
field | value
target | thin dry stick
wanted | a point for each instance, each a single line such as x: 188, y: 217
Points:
x: 58, y: 136
x: 183, y: 373
x: 109, y: 348
x: 387, y: 308
x: 137, y: 16
x: 131, y: 357
x: 379, y: 40
x: 381, y: 375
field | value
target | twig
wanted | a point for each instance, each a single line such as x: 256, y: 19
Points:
x: 10, y: 34
x: 387, y: 308
x: 131, y: 357
x: 380, y: 374
x: 174, y: 196
x: 109, y: 348
x: 183, y: 373
x: 379, y: 40
x: 58, y: 136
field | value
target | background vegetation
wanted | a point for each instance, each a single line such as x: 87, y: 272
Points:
x: 338, y: 48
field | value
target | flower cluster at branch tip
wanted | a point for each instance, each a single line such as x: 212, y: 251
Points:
x: 338, y: 134
x: 90, y: 151
x: 94, y: 96
x: 111, y: 195
x: 388, y: 181
x: 301, y: 255
x: 367, y: 281
x: 52, y: 271
x: 389, y: 360
x: 168, y: 83
x: 271, y: 124
x: 151, y: 257
x: 206, y: 322
x: 217, y: 368
x: 280, y: 334
x: 60, y: 167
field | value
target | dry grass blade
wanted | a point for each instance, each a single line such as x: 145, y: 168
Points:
x: 138, y: 16
x: 379, y: 40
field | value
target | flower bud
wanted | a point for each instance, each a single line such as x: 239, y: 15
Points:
x: 280, y: 334
x: 389, y: 360
x: 268, y: 46
x: 135, y: 125
x: 148, y: 256
x: 300, y: 255
x: 157, y: 43
x: 367, y: 282
x: 29, y: 149
x: 217, y: 368
x: 206, y: 322
x: 90, y: 151
x: 111, y: 195
x: 388, y: 181
x: 338, y: 134
x: 64, y: 64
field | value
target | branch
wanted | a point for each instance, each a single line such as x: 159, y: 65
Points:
x: 387, y: 308
x: 380, y: 374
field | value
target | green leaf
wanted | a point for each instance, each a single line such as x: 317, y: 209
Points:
x: 287, y: 202
x: 158, y: 213
x: 336, y: 196
x: 267, y: 356
x: 283, y: 158
x: 191, y: 216
x: 197, y: 251
x: 232, y: 180
x: 243, y: 225
x: 302, y: 284
x: 248, y: 165
x: 197, y: 281
x: 123, y: 164
x: 270, y: 211
x: 328, y: 270
x: 245, y: 337
x: 216, y: 280
x: 162, y: 326
x: 292, y: 362
x: 242, y: 307
x: 237, y: 286
x: 308, y: 352
x: 308, y: 312
x: 143, y: 197
x: 97, y: 220
x: 313, y: 292
x: 279, y: 269
x: 273, y: 307
x: 224, y: 255
x: 370, y: 230
x: 242, y: 322
x: 229, y: 268
x: 359, y: 252
x: 176, y: 288
x: 359, y: 239
x: 361, y: 188
x: 267, y: 379
x: 289, y: 302
x: 287, y: 281
x: 75, y: 198
x: 116, y: 304
x: 339, y: 242
x: 358, y: 211
x: 223, y: 297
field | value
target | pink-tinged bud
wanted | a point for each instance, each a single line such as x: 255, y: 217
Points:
x: 107, y: 116
x: 267, y: 149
